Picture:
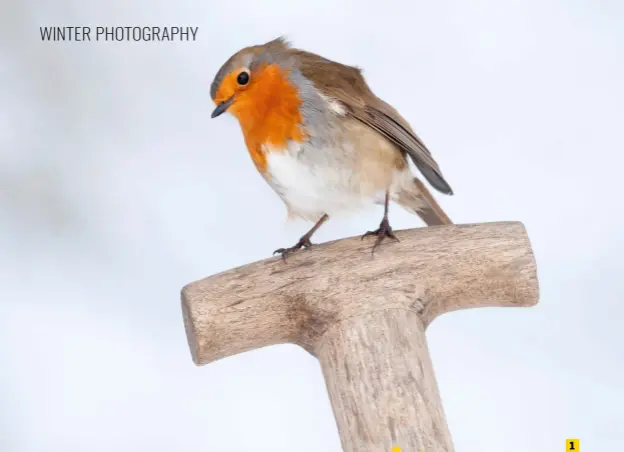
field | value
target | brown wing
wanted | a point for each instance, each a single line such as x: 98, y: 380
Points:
x: 346, y: 84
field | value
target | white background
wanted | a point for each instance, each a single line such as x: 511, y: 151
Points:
x: 116, y: 189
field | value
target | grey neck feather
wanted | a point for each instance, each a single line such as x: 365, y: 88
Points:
x: 314, y: 110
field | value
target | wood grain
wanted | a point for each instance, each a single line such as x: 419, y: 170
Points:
x: 365, y: 318
x: 381, y: 384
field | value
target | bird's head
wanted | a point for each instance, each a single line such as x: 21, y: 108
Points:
x: 251, y: 77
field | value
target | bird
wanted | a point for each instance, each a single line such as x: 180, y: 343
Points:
x: 323, y: 141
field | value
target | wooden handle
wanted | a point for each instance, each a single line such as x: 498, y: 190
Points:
x: 382, y: 385
x: 429, y: 272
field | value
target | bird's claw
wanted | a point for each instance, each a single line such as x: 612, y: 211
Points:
x: 304, y: 242
x: 384, y: 231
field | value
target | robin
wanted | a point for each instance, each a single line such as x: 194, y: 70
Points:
x: 322, y: 140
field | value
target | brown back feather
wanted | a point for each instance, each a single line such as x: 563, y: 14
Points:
x: 347, y: 85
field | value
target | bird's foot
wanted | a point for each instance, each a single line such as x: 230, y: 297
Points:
x: 384, y: 231
x: 304, y: 242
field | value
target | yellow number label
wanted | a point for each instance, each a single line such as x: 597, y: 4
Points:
x: 573, y: 445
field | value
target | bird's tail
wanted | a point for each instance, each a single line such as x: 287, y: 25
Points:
x: 417, y: 198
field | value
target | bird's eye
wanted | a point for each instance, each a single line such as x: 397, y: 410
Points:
x: 243, y: 78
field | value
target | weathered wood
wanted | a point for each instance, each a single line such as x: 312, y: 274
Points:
x: 364, y: 317
x: 392, y: 397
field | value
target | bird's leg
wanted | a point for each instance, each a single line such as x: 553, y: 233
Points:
x: 384, y: 229
x: 304, y: 241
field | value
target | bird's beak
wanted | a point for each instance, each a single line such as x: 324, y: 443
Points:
x: 222, y: 107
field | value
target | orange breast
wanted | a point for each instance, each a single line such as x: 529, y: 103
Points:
x: 268, y: 112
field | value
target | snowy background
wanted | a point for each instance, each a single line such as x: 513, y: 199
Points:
x: 116, y: 189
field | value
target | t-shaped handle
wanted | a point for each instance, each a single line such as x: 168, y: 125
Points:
x: 364, y: 318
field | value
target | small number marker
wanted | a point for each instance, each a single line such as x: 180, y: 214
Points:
x: 573, y: 445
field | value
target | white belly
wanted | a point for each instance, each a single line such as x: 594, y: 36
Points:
x: 313, y: 182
